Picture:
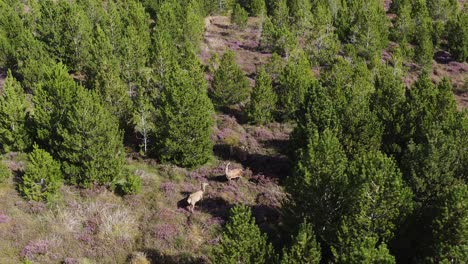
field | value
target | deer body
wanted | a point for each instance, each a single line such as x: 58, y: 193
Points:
x: 196, y: 196
x: 232, y: 174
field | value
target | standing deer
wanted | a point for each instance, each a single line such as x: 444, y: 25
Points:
x: 196, y: 196
x: 232, y: 174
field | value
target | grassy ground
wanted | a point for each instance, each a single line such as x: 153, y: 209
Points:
x: 97, y: 226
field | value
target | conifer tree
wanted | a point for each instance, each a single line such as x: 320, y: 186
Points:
x: 293, y: 84
x: 239, y: 16
x: 424, y: 50
x: 262, y: 100
x: 258, y: 8
x: 319, y: 184
x: 457, y: 33
x: 322, y: 41
x: 71, y: 122
x: 13, y: 113
x: 230, y: 86
x: 404, y: 28
x: 387, y: 103
x: 42, y: 177
x: 183, y: 119
x: 304, y: 249
x: 242, y: 241
x: 349, y: 87
x: 316, y: 114
x: 300, y: 12
x: 104, y: 77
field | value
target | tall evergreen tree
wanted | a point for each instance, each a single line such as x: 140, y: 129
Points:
x: 293, y: 83
x: 322, y: 44
x: 183, y: 119
x: 304, y: 249
x: 457, y: 39
x: 230, y: 86
x: 262, y: 100
x: 387, y: 103
x: 239, y: 16
x: 13, y: 113
x: 424, y: 49
x: 319, y: 184
x: 71, y: 122
x: 242, y: 241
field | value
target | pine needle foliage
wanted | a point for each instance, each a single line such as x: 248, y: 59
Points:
x: 242, y: 241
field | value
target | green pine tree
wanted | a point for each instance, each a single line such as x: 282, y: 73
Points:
x: 183, y: 119
x: 71, y: 122
x: 293, y: 83
x: 239, y: 16
x: 424, y: 49
x: 42, y: 177
x: 242, y: 241
x: 262, y: 100
x: 322, y: 42
x: 304, y: 249
x: 387, y: 103
x: 230, y: 86
x: 457, y: 37
x: 13, y: 113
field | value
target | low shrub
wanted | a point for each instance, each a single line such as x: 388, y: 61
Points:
x: 131, y: 184
x: 42, y: 177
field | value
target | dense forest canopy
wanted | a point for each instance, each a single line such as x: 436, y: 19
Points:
x: 376, y: 149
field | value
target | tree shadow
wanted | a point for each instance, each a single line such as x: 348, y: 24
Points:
x: 216, y: 206
x: 156, y: 257
x: 218, y: 178
x: 271, y: 166
x: 279, y: 145
x: 442, y: 57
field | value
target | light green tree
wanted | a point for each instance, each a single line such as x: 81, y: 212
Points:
x: 13, y: 114
x: 262, y: 100
x: 42, y: 177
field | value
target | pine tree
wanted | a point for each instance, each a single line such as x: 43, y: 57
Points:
x: 369, y: 29
x: 262, y: 100
x: 316, y: 114
x: 404, y: 28
x: 13, y: 113
x: 387, y: 103
x: 71, y: 122
x: 319, y: 184
x: 230, y: 86
x: 42, y: 177
x: 424, y: 50
x: 239, y: 16
x: 301, y: 15
x: 304, y: 249
x: 349, y: 87
x: 104, y: 77
x: 357, y: 248
x: 458, y: 37
x: 183, y: 119
x: 258, y: 8
x: 293, y: 84
x: 242, y: 240
x: 377, y: 194
x: 322, y: 42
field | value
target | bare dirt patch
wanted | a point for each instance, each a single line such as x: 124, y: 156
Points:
x: 221, y: 35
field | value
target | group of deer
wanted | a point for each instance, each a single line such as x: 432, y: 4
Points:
x: 198, y: 195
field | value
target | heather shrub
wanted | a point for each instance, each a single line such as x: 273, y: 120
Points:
x: 139, y: 258
x: 42, y: 177
x: 5, y: 172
